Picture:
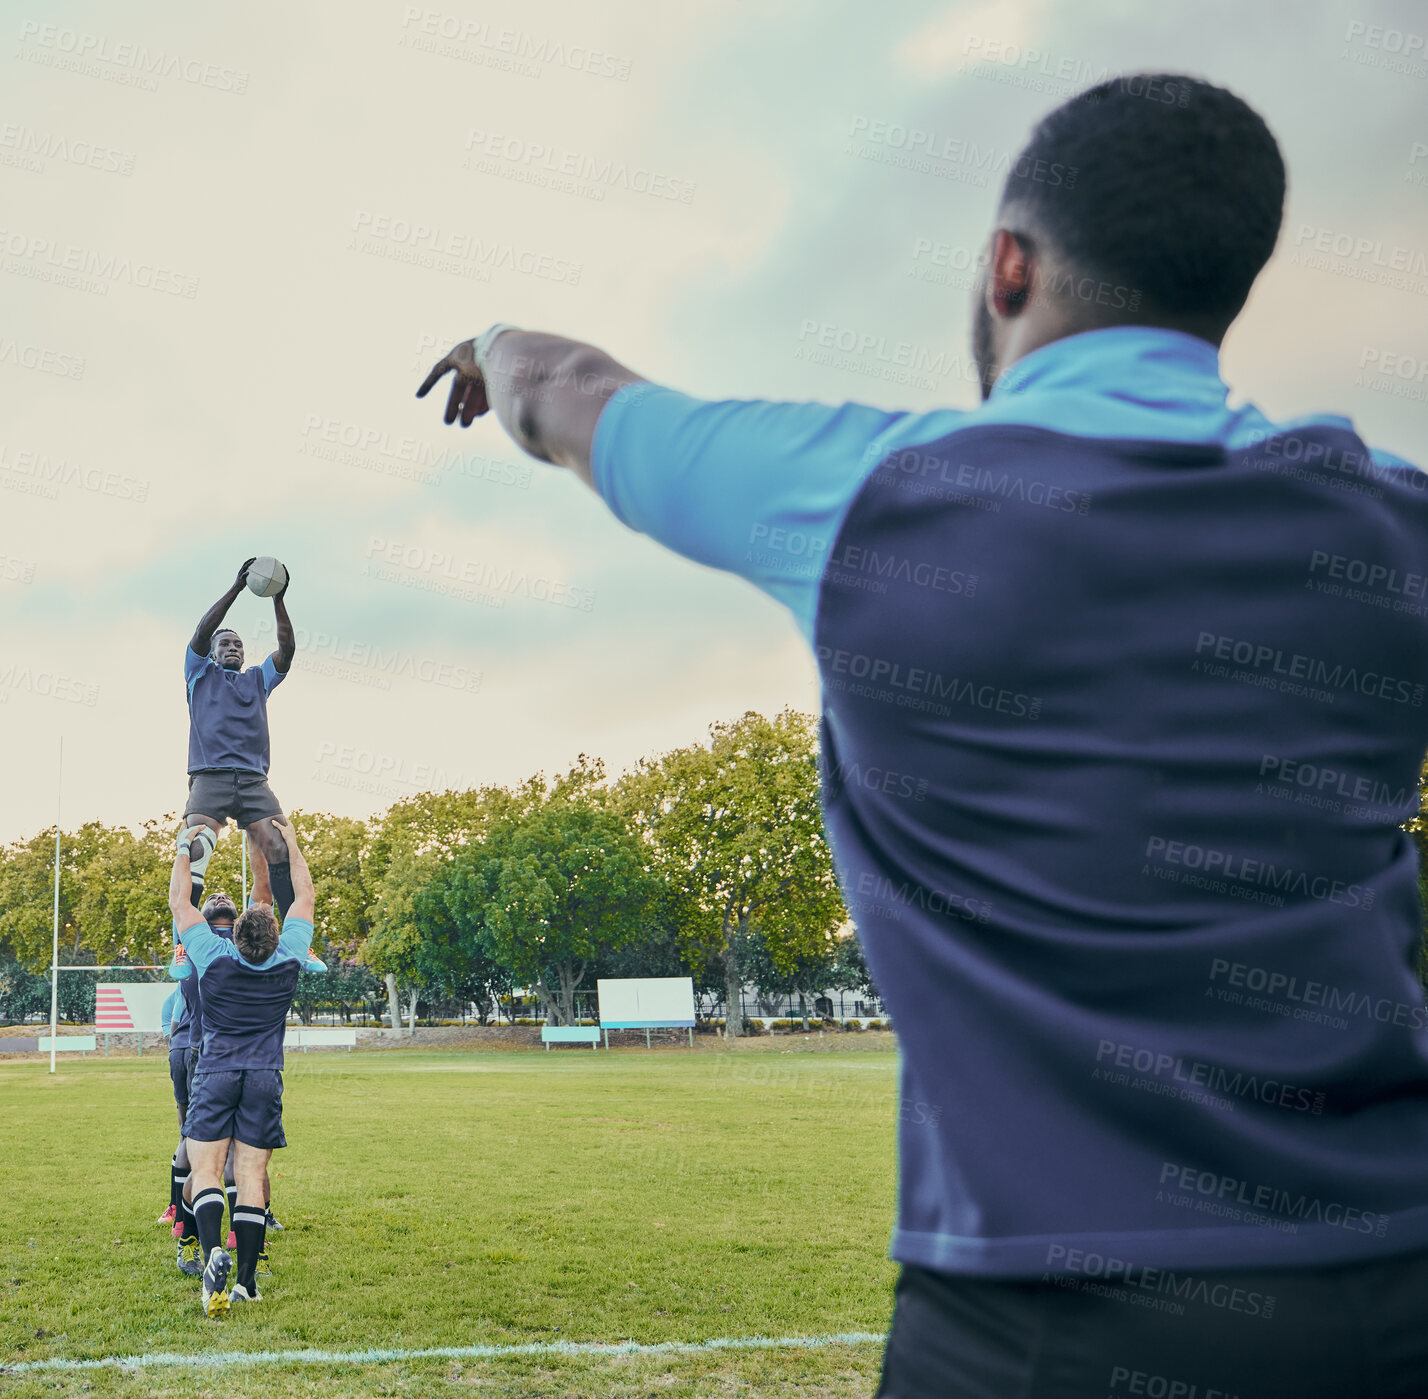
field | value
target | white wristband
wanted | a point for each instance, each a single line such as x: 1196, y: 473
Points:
x: 486, y: 339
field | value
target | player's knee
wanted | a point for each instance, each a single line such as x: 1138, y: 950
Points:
x: 272, y: 845
x: 201, y: 843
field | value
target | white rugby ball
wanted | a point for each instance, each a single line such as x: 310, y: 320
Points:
x: 267, y: 577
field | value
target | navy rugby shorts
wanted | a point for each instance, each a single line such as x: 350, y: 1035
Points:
x: 242, y: 1103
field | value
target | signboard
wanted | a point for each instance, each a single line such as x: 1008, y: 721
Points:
x: 646, y: 1003
x: 130, y: 1005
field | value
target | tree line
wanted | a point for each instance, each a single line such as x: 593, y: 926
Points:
x: 709, y: 861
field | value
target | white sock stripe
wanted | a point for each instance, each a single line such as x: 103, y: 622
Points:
x: 208, y: 1197
x: 242, y: 1216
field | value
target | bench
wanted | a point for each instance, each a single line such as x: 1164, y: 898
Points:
x: 305, y: 1039
x: 83, y: 1043
x: 570, y: 1034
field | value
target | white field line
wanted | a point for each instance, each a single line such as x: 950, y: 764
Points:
x: 204, y: 1359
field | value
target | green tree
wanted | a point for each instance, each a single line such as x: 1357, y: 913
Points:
x: 403, y: 853
x: 27, y: 882
x: 737, y: 825
x: 335, y: 848
x: 121, y: 909
x: 551, y: 886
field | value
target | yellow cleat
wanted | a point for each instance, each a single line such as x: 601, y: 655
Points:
x: 215, y: 1283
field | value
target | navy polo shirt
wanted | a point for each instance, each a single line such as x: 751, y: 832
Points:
x: 1123, y: 695
x: 228, y: 713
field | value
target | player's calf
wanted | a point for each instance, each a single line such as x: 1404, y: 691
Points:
x: 250, y: 1223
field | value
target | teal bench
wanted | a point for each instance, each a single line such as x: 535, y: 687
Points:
x: 570, y: 1034
x: 67, y: 1043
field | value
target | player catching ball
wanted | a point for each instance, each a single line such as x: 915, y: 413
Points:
x: 246, y: 987
x: 228, y: 747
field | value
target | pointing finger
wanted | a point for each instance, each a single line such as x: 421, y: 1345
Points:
x: 437, y: 370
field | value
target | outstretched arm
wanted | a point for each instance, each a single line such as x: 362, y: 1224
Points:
x: 304, y: 900
x: 185, y: 915
x: 209, y: 623
x: 287, y: 641
x: 547, y: 391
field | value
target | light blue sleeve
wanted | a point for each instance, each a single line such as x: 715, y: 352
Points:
x: 166, y: 1016
x: 296, y: 938
x: 272, y: 676
x: 1385, y: 460
x: 202, y: 944
x: 193, y: 666
x: 754, y: 488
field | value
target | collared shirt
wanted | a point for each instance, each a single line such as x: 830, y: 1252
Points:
x: 1123, y: 697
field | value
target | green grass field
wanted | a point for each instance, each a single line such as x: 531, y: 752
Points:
x: 463, y: 1198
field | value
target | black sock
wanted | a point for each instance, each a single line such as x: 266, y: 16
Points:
x: 190, y: 1224
x: 196, y: 890
x: 177, y: 1175
x: 250, y: 1223
x: 208, y: 1210
x: 231, y: 1191
x: 280, y: 877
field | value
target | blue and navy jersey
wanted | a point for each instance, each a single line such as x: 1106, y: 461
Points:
x: 228, y: 713
x: 193, y: 1007
x: 245, y: 1007
x: 182, y: 970
x: 1123, y: 703
x: 174, y: 1019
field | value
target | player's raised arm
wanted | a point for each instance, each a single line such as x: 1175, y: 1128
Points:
x: 282, y: 657
x: 202, y: 641
x: 304, y: 899
x: 547, y: 391
x: 185, y: 915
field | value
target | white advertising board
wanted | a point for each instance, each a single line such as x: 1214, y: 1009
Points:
x: 130, y: 1005
x: 646, y: 1003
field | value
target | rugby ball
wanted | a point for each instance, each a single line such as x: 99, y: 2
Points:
x: 267, y: 577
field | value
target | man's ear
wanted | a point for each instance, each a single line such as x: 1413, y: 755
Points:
x: 1009, y: 278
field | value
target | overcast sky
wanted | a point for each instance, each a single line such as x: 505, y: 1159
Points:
x: 232, y: 239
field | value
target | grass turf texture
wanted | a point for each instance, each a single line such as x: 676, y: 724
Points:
x: 460, y: 1198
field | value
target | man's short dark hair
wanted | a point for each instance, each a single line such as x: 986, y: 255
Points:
x: 223, y: 631
x: 255, y: 934
x: 1167, y: 186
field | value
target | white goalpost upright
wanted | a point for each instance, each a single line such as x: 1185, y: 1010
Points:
x: 54, y: 959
